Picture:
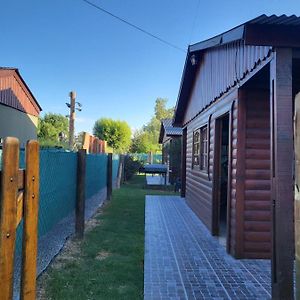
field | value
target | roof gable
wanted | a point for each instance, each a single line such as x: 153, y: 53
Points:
x: 238, y: 50
x: 168, y: 130
x: 15, y: 93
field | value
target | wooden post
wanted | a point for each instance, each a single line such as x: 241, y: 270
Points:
x: 8, y: 215
x: 297, y: 190
x: 72, y: 119
x: 109, y: 176
x: 120, y: 170
x: 80, y: 193
x: 282, y: 196
x: 183, y: 162
x: 30, y: 231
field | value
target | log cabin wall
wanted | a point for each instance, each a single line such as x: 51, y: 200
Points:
x: 232, y: 162
x: 199, y: 184
x: 257, y: 206
x: 250, y: 191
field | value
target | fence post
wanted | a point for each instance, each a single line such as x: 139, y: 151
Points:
x: 30, y: 212
x: 8, y: 215
x: 80, y: 193
x: 120, y: 170
x: 109, y: 176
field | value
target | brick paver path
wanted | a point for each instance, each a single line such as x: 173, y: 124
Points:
x: 183, y: 261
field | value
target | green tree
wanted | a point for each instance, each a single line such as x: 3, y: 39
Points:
x: 146, y: 140
x: 116, y: 133
x: 49, y: 128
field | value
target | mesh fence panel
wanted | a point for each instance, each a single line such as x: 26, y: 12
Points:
x: 96, y: 171
x: 58, y: 176
x: 115, y: 166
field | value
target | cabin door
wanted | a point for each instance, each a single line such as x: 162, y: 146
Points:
x: 220, y: 223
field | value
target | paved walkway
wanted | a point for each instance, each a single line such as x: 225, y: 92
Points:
x: 183, y: 261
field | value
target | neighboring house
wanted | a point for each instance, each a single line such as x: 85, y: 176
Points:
x: 235, y: 106
x: 19, y: 110
x: 170, y: 138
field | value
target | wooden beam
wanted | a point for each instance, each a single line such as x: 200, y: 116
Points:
x: 80, y: 193
x: 21, y: 178
x: 30, y: 231
x: 297, y: 190
x: 282, y: 174
x: 272, y: 35
x: 238, y: 252
x: 8, y: 215
x: 183, y: 162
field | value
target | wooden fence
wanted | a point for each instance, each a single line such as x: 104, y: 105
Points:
x: 93, y: 144
x: 19, y: 200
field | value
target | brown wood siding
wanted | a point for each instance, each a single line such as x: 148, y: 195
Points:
x: 199, y: 184
x: 232, y: 185
x: 13, y: 93
x: 219, y: 70
x: 257, y: 188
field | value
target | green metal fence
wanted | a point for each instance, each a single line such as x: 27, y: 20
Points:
x: 58, y: 176
x: 96, y: 172
x: 115, y: 166
x: 144, y: 157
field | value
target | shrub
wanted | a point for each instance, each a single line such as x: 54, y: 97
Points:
x: 131, y: 167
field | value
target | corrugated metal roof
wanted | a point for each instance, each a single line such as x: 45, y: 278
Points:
x: 292, y: 20
x: 167, y: 129
x: 9, y: 99
x: 263, y: 32
x: 237, y: 33
x: 170, y: 129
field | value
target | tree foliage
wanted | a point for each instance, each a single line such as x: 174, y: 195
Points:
x: 49, y: 128
x: 116, y: 133
x: 146, y: 139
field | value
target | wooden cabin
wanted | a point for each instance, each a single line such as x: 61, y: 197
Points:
x: 19, y: 110
x: 170, y: 138
x: 235, y: 106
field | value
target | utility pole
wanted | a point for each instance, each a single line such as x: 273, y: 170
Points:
x: 72, y: 106
x: 72, y: 119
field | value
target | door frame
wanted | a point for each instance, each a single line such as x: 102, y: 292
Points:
x: 217, y: 177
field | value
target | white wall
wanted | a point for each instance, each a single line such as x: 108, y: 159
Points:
x: 17, y: 124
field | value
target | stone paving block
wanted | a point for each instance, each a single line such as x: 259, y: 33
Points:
x: 183, y: 261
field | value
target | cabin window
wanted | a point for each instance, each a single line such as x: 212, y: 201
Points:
x: 196, y: 147
x: 203, y: 148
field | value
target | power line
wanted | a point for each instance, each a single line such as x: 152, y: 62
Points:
x: 194, y: 20
x: 135, y: 26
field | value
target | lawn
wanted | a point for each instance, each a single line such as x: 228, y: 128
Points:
x: 108, y: 263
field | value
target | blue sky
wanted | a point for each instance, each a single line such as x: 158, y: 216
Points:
x: 117, y: 72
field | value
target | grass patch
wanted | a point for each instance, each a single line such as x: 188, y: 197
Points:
x: 110, y: 260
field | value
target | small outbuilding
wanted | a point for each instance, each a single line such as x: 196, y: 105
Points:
x: 19, y: 110
x: 170, y: 138
x: 235, y: 105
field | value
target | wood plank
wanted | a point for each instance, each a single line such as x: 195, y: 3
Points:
x: 30, y: 231
x: 21, y: 178
x: 8, y: 215
x: 20, y: 198
x: 240, y: 174
x: 297, y: 190
x: 282, y: 172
